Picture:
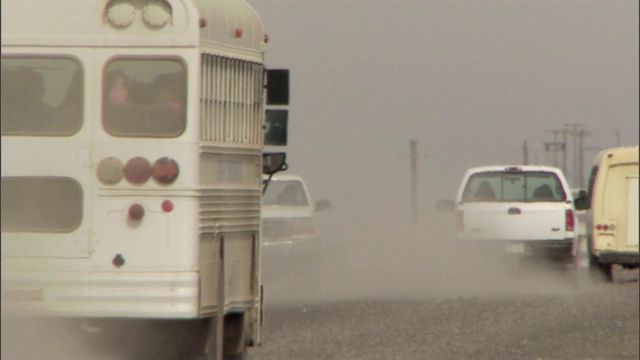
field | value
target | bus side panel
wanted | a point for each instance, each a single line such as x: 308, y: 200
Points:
x: 209, y: 269
x: 238, y: 266
x: 632, y: 212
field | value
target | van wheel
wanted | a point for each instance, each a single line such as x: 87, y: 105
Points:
x: 239, y: 356
x: 598, y: 272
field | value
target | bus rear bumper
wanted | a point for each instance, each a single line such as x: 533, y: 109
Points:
x: 167, y: 295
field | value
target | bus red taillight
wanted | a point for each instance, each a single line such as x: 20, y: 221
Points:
x: 167, y: 206
x: 569, y: 220
x: 136, y: 211
x: 109, y: 171
x: 137, y: 170
x: 165, y: 170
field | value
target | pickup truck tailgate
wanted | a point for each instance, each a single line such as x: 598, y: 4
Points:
x: 514, y: 221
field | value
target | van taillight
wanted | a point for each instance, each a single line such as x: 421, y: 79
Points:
x: 605, y: 227
x: 569, y: 220
x: 460, y: 220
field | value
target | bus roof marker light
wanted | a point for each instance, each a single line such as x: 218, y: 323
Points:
x: 120, y: 13
x: 165, y: 170
x: 110, y: 171
x: 138, y: 170
x: 238, y: 32
x: 157, y: 13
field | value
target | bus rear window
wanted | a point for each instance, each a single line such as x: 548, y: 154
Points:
x: 144, y: 98
x: 41, y: 204
x: 41, y: 96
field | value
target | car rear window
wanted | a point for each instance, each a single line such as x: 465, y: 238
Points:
x: 500, y: 186
x: 285, y: 193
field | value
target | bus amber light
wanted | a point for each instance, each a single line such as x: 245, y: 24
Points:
x: 136, y: 211
x: 109, y: 171
x: 165, y: 170
x: 137, y: 170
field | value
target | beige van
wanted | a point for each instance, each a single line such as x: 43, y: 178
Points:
x: 613, y: 214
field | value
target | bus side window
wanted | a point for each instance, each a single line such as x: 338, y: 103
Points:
x: 5, y: 93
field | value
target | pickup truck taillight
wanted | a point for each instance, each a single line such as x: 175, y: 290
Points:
x: 460, y: 220
x: 569, y: 220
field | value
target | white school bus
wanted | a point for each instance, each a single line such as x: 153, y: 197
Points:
x: 132, y: 137
x: 613, y: 214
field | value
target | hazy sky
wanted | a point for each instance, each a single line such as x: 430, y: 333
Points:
x: 469, y: 80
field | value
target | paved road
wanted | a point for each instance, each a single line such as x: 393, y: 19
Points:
x: 599, y: 323
x: 397, y: 295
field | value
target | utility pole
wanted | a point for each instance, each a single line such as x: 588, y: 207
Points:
x: 414, y: 180
x: 554, y: 147
x: 578, y: 134
x: 573, y: 131
x: 525, y: 153
x: 564, y: 151
x: 581, y: 135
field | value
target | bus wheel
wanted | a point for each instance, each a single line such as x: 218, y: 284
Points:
x: 234, y: 337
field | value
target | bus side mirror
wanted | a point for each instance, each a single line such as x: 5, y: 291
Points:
x: 278, y: 87
x: 273, y: 162
x: 275, y: 127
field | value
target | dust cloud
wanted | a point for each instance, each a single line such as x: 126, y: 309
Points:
x: 27, y: 337
x: 473, y: 84
x: 374, y: 253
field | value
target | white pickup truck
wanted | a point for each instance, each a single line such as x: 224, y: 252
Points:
x: 523, y: 210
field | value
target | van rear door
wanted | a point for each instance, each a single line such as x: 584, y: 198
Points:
x: 632, y: 212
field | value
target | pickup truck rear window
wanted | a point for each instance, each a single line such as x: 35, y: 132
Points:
x: 513, y: 187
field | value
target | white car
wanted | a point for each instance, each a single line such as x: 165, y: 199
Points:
x: 289, y: 231
x: 524, y: 210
